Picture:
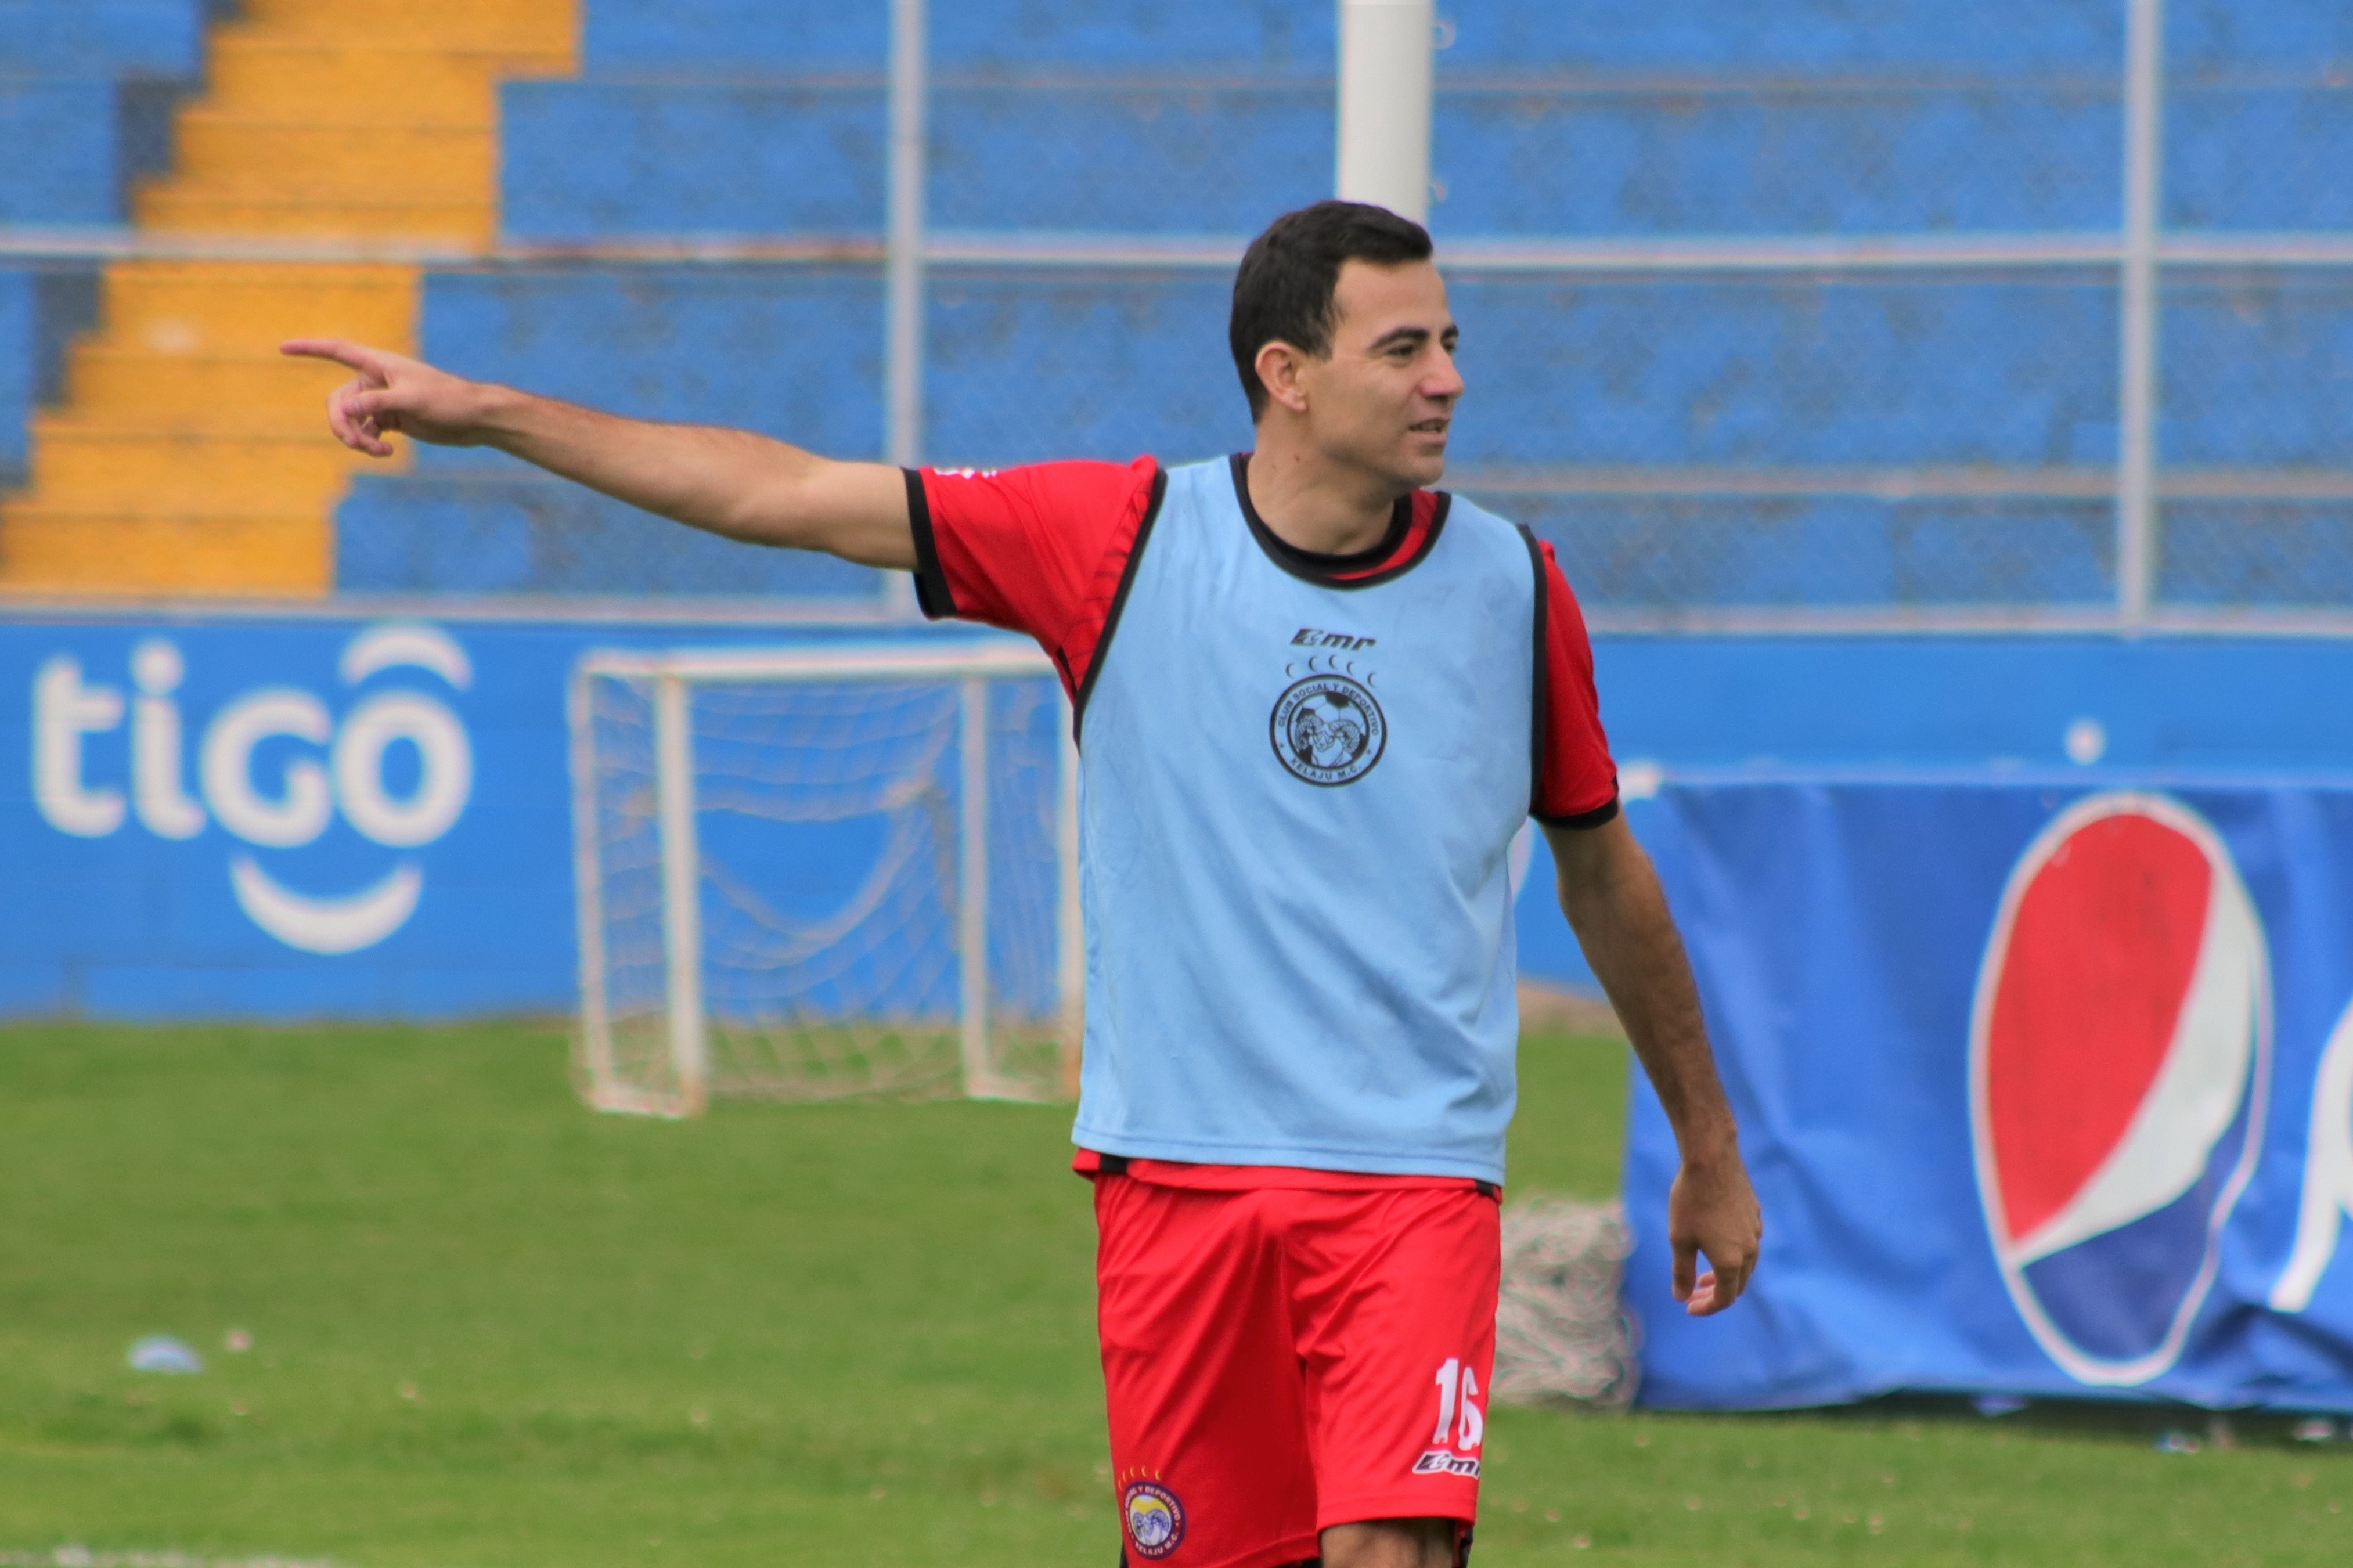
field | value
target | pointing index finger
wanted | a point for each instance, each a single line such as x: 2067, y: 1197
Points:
x: 350, y: 355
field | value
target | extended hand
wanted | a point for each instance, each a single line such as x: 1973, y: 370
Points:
x: 1711, y: 1209
x: 393, y: 392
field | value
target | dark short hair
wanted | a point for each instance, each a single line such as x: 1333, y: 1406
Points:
x: 1283, y: 291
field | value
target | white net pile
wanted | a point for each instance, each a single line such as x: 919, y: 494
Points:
x: 828, y: 824
x: 1560, y: 1334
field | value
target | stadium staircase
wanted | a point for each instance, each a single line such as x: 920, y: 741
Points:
x: 187, y: 454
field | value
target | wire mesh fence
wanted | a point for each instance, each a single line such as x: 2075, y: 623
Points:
x: 1815, y: 311
x: 2032, y: 310
x: 1818, y: 315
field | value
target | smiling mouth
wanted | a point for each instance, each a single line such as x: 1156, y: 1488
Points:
x: 1429, y: 428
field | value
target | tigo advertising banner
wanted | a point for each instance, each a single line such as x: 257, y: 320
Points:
x: 207, y: 816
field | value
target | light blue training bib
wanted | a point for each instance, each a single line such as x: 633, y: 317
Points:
x: 1298, y: 798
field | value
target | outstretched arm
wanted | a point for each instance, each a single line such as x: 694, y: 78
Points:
x: 730, y: 482
x: 1612, y: 899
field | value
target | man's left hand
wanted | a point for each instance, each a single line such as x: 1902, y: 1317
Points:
x: 1712, y: 1212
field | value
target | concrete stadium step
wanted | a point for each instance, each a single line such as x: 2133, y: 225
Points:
x: 65, y: 550
x: 352, y: 179
x: 405, y: 533
x: 144, y: 472
x: 350, y: 121
x: 220, y: 420
x: 190, y: 456
x: 216, y: 149
x: 479, y: 24
x: 192, y: 307
x: 169, y: 210
x: 261, y: 72
x: 196, y: 388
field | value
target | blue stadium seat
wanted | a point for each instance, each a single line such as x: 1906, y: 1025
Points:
x: 1628, y: 372
x: 1620, y: 117
x: 745, y: 117
x: 1611, y: 118
x: 41, y: 309
x: 801, y: 157
x: 2284, y: 554
x: 1779, y: 372
x: 106, y: 38
x: 1671, y: 554
x: 1820, y: 38
x: 621, y: 157
x: 789, y: 350
x: 708, y: 38
x: 2243, y: 155
x: 509, y: 534
x: 2257, y: 371
x: 76, y: 177
x: 86, y: 93
x: 738, y: 37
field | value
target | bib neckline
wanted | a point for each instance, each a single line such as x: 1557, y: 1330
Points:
x: 1382, y: 563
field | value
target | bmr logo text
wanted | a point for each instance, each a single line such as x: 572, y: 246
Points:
x: 332, y: 767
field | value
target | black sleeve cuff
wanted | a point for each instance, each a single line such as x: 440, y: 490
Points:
x: 1600, y: 814
x: 931, y: 595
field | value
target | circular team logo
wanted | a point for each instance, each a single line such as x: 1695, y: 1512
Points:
x: 1328, y: 730
x: 1155, y: 1520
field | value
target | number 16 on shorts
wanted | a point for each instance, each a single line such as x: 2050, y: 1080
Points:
x: 1461, y: 1427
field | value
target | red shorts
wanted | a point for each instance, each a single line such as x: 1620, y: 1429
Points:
x: 1279, y: 1360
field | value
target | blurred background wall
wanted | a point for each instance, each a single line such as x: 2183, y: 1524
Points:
x: 1800, y: 330
x: 1812, y: 309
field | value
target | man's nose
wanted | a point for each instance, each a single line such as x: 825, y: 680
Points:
x: 1445, y: 384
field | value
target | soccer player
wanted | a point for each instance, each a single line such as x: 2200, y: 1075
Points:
x: 1316, y: 699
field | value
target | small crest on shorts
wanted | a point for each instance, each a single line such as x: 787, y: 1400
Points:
x: 1441, y: 1462
x: 1155, y: 1520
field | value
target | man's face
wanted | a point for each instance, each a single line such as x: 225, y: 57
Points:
x: 1383, y: 400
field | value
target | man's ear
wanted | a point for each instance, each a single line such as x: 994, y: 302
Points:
x: 1279, y: 367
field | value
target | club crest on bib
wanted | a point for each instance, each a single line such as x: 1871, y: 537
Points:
x: 1155, y: 1520
x: 1328, y: 729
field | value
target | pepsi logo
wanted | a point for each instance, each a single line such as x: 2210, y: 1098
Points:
x: 2119, y: 1067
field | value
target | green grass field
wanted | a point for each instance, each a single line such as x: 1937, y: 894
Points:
x: 491, y: 1330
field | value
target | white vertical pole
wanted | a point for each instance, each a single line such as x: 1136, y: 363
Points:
x: 2136, y: 395
x: 972, y: 896
x: 1070, y: 931
x: 902, y: 287
x: 588, y: 892
x: 1385, y: 66
x: 681, y: 866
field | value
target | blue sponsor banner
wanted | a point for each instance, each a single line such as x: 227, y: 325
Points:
x: 210, y: 816
x: 2046, y: 1083
x: 137, y: 884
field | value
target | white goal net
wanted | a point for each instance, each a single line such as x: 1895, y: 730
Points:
x: 817, y: 872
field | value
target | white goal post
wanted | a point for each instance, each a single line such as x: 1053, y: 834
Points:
x: 823, y: 871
